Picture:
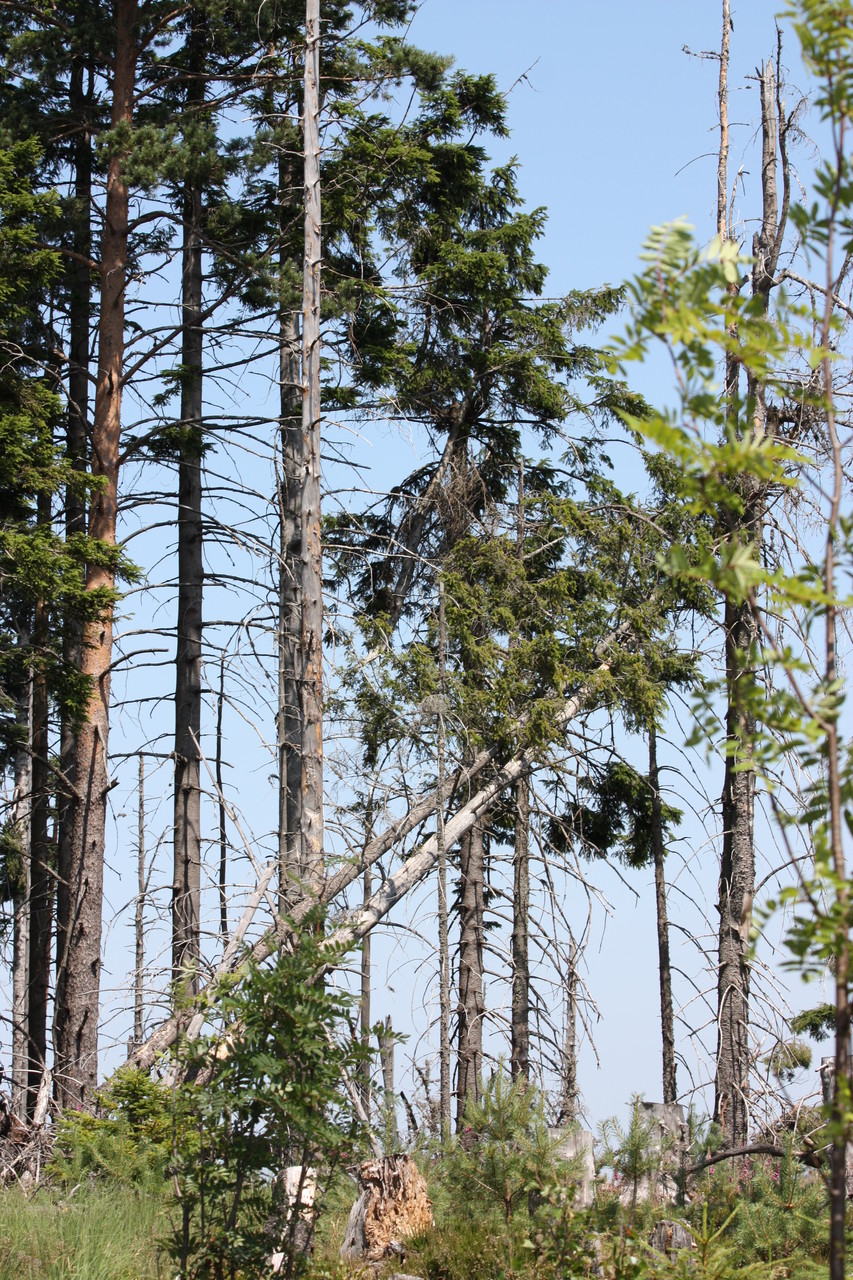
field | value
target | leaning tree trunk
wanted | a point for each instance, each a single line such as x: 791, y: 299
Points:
x: 78, y: 989
x: 472, y: 869
x: 520, y: 1028
x: 311, y: 815
x: 186, y: 884
x: 670, y: 1089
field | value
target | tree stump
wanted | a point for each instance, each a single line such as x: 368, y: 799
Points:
x: 392, y: 1207
x: 670, y: 1237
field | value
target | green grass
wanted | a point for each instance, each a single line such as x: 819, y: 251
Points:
x: 99, y: 1233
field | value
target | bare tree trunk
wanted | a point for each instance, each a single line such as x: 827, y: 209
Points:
x: 737, y: 864
x: 364, y: 1007
x: 20, y: 815
x: 311, y: 816
x: 186, y: 885
x: 223, y: 841
x: 78, y: 988
x: 472, y: 866
x: 520, y: 1029
x: 79, y: 101
x: 443, y: 932
x: 41, y: 872
x: 290, y: 599
x: 569, y: 1064
x: 386, y: 1058
x: 520, y: 1017
x: 670, y: 1090
x: 186, y: 890
x: 139, y: 966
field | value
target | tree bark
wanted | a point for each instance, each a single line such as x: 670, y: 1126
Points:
x: 520, y: 1029
x: 364, y: 1006
x: 223, y: 840
x: 20, y: 816
x: 77, y: 432
x: 41, y: 871
x: 472, y: 867
x: 670, y: 1090
x: 78, y: 988
x: 290, y: 598
x: 737, y: 864
x: 569, y: 1065
x: 139, y: 966
x: 186, y: 889
x: 386, y: 1058
x: 311, y: 816
x: 443, y: 923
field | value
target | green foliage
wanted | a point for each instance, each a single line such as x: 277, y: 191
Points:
x: 126, y: 1142
x: 268, y: 1092
x: 776, y: 1210
x: 817, y: 1022
x: 505, y: 1149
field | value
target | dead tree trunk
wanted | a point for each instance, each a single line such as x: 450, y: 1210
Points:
x: 20, y: 816
x: 472, y: 866
x: 443, y: 922
x: 139, y: 966
x: 520, y: 1029
x: 223, y: 840
x: 41, y: 870
x: 737, y: 864
x: 386, y: 1058
x: 670, y: 1090
x: 569, y: 1064
x: 78, y: 988
x: 364, y: 1006
x: 186, y: 887
x: 311, y: 815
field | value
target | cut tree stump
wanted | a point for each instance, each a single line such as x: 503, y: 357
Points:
x: 392, y: 1207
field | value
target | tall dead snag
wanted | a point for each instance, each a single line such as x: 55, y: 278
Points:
x: 139, y: 966
x: 569, y: 1061
x: 670, y: 1090
x: 78, y: 986
x: 20, y: 822
x: 737, y: 864
x: 472, y: 867
x: 520, y: 1027
x: 41, y: 872
x: 290, y: 557
x: 311, y: 815
x: 441, y: 849
x: 186, y: 884
x: 520, y: 1015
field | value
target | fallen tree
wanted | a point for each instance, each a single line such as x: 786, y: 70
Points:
x: 417, y: 866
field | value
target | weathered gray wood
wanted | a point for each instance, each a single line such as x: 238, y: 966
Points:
x: 669, y: 1237
x: 576, y: 1147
